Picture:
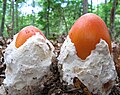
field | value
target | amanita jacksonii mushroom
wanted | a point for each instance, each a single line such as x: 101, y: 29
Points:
x: 86, y: 54
x: 26, y: 33
x: 87, y: 32
x: 27, y: 59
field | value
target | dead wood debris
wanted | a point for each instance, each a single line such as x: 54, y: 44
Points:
x: 116, y: 56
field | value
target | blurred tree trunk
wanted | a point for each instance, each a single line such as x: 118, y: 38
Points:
x: 85, y: 6
x: 106, y: 13
x: 80, y: 11
x: 3, y: 18
x: 48, y: 9
x: 91, y: 6
x: 97, y: 8
x: 16, y: 15
x: 12, y: 18
x: 22, y: 21
x: 63, y: 15
x: 112, y: 16
x: 33, y: 13
x: 10, y: 8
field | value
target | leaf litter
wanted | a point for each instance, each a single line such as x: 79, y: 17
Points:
x: 51, y: 84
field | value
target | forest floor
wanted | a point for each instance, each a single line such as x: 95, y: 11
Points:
x: 53, y: 84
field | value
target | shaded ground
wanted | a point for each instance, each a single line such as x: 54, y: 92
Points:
x: 52, y: 83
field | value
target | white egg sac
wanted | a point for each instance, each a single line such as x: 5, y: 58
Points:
x: 28, y: 63
x: 97, y: 72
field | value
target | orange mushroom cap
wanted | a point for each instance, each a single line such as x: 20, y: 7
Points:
x: 26, y: 33
x: 87, y: 32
